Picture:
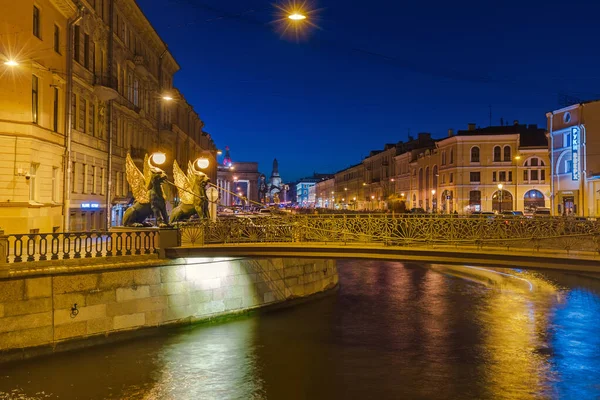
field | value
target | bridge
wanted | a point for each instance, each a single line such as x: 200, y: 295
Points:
x: 517, y: 242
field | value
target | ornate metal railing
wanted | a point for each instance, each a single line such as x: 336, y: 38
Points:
x: 74, y: 245
x: 534, y: 233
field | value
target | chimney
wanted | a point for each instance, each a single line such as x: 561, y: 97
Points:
x: 450, y: 133
x: 516, y: 122
x: 471, y: 126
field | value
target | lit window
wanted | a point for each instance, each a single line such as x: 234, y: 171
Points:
x: 33, y: 193
x: 475, y: 154
x: 34, y: 99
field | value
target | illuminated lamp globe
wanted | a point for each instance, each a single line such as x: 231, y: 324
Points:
x: 202, y: 163
x: 158, y: 158
x: 296, y: 16
x: 11, y: 63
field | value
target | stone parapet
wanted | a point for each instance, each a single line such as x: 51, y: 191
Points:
x: 40, y: 313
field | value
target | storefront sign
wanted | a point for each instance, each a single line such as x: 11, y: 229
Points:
x: 90, y: 205
x: 575, y: 152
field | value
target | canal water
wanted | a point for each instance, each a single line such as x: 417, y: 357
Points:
x: 391, y: 331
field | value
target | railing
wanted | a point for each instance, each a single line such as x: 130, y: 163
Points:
x: 64, y: 246
x: 535, y: 234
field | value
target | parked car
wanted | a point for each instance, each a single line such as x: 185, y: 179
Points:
x: 541, y: 212
x: 483, y: 214
x: 417, y: 210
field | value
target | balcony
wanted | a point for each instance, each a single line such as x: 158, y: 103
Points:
x: 105, y: 88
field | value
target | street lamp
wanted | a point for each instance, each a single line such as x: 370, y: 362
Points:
x: 433, y: 202
x: 297, y: 16
x: 158, y: 158
x: 202, y: 163
x: 499, y: 198
x: 11, y: 63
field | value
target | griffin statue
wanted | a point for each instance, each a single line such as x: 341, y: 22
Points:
x: 148, y: 194
x: 192, y: 192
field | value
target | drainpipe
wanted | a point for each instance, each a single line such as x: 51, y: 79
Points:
x: 68, y: 134
x: 109, y: 112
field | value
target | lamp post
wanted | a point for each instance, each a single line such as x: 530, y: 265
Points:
x: 372, y: 201
x: 433, y: 202
x: 517, y: 159
x: 499, y: 198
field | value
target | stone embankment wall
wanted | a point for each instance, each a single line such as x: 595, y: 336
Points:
x: 43, y: 312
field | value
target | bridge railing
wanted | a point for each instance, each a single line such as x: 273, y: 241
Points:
x: 62, y: 246
x: 533, y: 233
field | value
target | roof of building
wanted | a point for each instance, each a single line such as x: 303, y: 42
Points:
x: 530, y: 135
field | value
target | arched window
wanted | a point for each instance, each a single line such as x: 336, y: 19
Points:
x: 475, y: 154
x: 507, y: 155
x: 535, y: 170
x: 533, y: 199
x: 497, y: 154
x: 502, y: 200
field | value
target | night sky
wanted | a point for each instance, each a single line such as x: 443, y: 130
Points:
x: 374, y: 71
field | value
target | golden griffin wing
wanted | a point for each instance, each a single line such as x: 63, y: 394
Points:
x: 183, y: 184
x: 137, y: 180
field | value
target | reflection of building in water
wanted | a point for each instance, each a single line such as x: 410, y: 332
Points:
x: 237, y: 178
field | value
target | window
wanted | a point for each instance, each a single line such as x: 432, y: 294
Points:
x: 136, y: 89
x: 507, y: 155
x: 33, y: 192
x: 93, y: 179
x: 73, y: 111
x: 443, y: 158
x: 494, y: 177
x: 55, y: 181
x: 55, y: 110
x: 57, y: 39
x: 84, y: 184
x: 569, y: 166
x: 34, y: 99
x: 92, y: 120
x: 497, y: 155
x: 36, y: 22
x: 86, y: 50
x: 76, y: 43
x: 451, y: 156
x: 451, y: 176
x: 534, y: 174
x: 475, y: 154
x: 475, y: 176
x: 130, y: 87
x: 73, y: 177
x: 567, y: 140
x: 533, y: 162
x: 542, y: 175
x: 92, y: 57
x: 525, y: 175
x: 475, y: 199
x: 509, y: 176
x: 82, y: 114
x: 502, y: 176
x: 102, y: 180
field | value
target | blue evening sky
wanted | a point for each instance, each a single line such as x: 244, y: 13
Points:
x: 374, y: 71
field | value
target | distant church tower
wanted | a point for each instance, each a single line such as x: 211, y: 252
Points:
x: 275, y: 183
x: 227, y: 158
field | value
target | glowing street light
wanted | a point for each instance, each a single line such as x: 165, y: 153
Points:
x: 11, y: 63
x: 158, y: 158
x: 297, y: 16
x: 500, y: 198
x: 202, y: 163
x: 167, y: 98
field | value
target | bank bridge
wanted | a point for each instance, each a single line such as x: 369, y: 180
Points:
x: 524, y: 242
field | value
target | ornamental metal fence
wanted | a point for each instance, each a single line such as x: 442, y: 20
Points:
x: 568, y: 234
x: 74, y: 245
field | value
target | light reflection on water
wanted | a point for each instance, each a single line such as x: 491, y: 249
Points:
x: 391, y: 331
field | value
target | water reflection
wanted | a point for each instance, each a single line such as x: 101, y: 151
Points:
x: 392, y: 330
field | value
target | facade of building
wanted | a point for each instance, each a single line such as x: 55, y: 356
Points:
x: 350, y: 189
x: 575, y: 146
x: 306, y: 190
x: 324, y: 193
x: 498, y: 168
x: 86, y: 90
x: 238, y: 181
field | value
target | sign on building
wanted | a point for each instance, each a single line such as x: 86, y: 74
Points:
x: 575, y: 152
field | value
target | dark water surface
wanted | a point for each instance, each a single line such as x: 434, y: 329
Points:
x: 391, y: 331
